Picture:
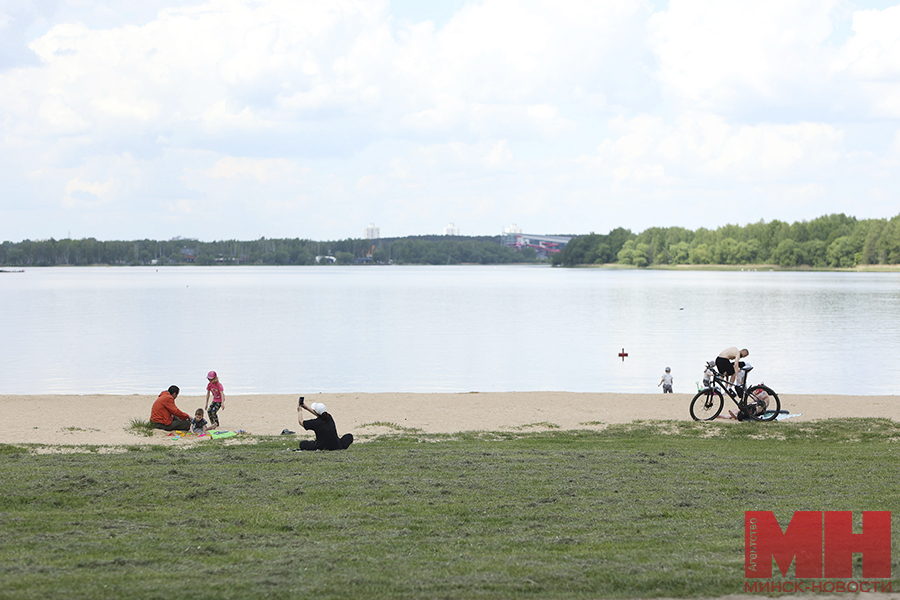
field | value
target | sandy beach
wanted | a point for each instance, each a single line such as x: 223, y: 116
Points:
x: 103, y: 420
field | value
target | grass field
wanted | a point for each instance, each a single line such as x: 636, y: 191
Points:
x: 649, y: 509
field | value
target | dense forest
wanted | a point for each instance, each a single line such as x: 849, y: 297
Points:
x: 835, y: 241
x: 409, y: 250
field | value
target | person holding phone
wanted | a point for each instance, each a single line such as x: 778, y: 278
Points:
x: 324, y: 428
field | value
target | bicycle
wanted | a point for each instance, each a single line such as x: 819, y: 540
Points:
x: 754, y: 403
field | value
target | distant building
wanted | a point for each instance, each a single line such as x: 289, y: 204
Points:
x: 372, y: 232
x: 544, y: 245
x: 451, y: 229
x: 189, y: 254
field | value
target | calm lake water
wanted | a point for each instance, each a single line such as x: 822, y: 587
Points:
x: 440, y: 329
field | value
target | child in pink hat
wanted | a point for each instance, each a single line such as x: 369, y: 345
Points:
x: 217, y: 390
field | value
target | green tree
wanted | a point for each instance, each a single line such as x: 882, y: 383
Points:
x: 626, y: 254
x: 528, y: 255
x: 16, y: 257
x: 345, y: 258
x: 577, y: 250
x: 641, y: 257
x: 634, y: 253
x: 726, y: 252
x: 680, y: 253
x: 380, y: 256
x: 841, y: 253
x: 788, y: 253
x: 888, y: 245
x: 814, y: 253
x: 700, y: 255
x: 872, y: 252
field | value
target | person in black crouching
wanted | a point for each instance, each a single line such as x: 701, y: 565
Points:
x: 323, y: 426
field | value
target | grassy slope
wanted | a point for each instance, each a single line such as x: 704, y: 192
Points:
x: 644, y: 510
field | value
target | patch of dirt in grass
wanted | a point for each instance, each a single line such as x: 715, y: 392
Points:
x: 74, y: 429
x: 61, y: 450
x: 541, y: 426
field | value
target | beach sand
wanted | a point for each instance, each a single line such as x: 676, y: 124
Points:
x: 103, y: 420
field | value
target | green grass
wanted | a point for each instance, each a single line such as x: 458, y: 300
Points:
x: 643, y: 510
x: 140, y: 427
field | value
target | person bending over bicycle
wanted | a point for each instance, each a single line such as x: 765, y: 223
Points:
x: 756, y: 402
x: 727, y: 359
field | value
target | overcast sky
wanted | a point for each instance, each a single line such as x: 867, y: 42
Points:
x: 224, y: 119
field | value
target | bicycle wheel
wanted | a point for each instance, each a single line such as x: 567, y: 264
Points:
x: 762, y: 403
x: 707, y: 405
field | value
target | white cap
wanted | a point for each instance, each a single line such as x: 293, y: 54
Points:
x: 318, y: 408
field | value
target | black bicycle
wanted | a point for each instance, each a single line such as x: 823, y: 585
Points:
x: 754, y: 403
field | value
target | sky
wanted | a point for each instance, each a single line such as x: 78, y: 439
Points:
x: 241, y: 119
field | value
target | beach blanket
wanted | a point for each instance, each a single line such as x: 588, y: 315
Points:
x: 782, y: 414
x: 785, y: 415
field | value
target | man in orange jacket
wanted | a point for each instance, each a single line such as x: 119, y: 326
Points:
x: 165, y: 415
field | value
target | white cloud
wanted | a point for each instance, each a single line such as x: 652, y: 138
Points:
x: 871, y: 60
x: 273, y: 66
x: 725, y: 55
x: 118, y: 108
x: 498, y: 156
x: 704, y: 147
x: 85, y: 194
x: 873, y: 53
x: 274, y: 117
x: 261, y: 171
x: 481, y: 157
x: 59, y: 118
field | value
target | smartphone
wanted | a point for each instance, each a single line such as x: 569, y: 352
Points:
x: 301, y: 401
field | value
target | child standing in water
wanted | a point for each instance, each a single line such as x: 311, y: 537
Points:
x: 218, y: 398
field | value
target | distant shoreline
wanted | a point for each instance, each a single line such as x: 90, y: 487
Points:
x: 610, y: 266
x: 747, y: 267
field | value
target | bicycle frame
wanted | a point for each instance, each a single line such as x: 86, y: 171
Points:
x: 728, y: 388
x: 755, y: 402
x: 743, y: 400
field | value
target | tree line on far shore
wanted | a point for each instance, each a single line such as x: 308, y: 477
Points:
x: 831, y: 241
x: 440, y: 250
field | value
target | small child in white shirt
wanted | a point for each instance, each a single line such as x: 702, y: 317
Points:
x: 666, y: 382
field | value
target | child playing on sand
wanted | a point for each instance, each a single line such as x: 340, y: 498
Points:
x: 218, y: 398
x: 666, y: 381
x: 198, y: 423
